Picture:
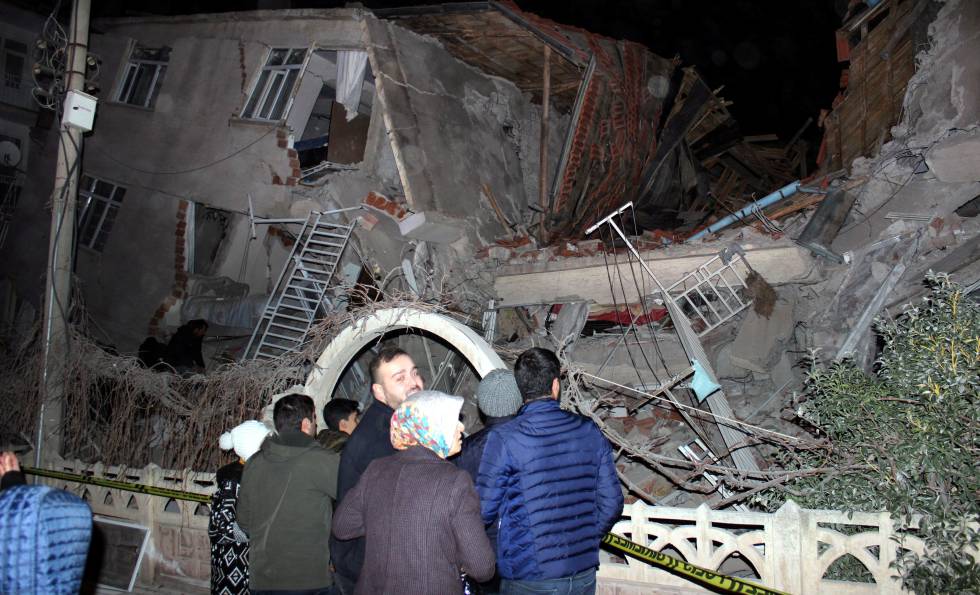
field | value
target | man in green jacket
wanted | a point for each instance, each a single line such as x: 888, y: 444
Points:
x: 286, y: 504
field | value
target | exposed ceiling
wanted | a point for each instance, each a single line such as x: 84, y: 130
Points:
x: 500, y: 42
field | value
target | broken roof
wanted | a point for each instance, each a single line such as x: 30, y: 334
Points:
x: 501, y: 40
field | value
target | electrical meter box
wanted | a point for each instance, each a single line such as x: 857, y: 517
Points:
x: 79, y: 110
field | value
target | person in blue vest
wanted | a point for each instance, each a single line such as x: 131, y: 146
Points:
x: 548, y: 480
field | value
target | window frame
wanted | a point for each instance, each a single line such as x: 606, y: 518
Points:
x: 87, y: 197
x: 6, y: 50
x: 131, y: 72
x: 257, y: 101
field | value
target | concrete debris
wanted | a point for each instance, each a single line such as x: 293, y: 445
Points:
x: 759, y: 337
x: 570, y: 322
x: 430, y: 227
x: 956, y: 159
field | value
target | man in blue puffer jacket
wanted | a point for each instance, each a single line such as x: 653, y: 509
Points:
x: 548, y: 479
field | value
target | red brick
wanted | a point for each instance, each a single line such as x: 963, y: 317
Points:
x: 276, y: 180
x: 291, y: 181
x: 282, y: 143
x: 297, y: 173
x: 292, y: 153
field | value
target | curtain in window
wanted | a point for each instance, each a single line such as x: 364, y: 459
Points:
x: 350, y: 78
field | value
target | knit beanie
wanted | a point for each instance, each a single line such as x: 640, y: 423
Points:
x: 245, y: 438
x: 427, y: 418
x: 498, y: 395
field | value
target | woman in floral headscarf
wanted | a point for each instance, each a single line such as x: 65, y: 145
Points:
x: 420, y: 514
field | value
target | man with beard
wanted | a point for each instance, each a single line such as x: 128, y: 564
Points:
x: 394, y: 377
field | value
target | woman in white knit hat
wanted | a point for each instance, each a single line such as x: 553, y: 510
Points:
x: 229, y: 544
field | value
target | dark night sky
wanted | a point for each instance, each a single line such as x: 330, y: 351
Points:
x: 776, y: 58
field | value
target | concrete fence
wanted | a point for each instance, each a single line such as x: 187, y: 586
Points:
x: 790, y: 550
x: 178, y: 552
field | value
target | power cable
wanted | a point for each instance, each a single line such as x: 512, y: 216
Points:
x: 650, y: 329
x: 636, y: 333
x: 189, y: 170
x: 612, y: 290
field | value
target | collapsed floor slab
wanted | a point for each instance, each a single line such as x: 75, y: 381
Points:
x: 586, y: 278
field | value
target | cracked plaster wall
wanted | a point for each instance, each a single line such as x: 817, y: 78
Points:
x: 455, y: 128
x: 190, y: 146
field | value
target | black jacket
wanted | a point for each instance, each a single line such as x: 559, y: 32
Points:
x: 11, y: 479
x: 371, y: 440
x: 184, y: 349
x: 471, y: 456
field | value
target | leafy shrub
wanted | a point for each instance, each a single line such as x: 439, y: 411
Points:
x: 905, y: 439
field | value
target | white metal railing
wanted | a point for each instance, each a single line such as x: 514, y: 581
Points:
x: 790, y: 550
x: 712, y: 294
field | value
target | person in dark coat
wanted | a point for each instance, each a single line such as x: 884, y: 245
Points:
x: 548, y: 477
x: 499, y: 399
x: 341, y: 417
x: 419, y: 513
x: 286, y: 504
x: 394, y: 377
x: 229, y: 544
x: 184, y: 349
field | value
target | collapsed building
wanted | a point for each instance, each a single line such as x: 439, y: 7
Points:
x: 539, y: 185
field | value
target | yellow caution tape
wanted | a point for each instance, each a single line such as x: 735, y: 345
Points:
x: 691, y: 572
x: 119, y: 485
x: 708, y: 578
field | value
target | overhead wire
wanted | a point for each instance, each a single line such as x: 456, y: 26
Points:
x: 632, y: 326
x: 190, y: 169
x: 700, y: 412
x: 650, y: 329
x: 612, y: 290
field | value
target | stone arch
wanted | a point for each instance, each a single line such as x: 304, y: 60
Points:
x: 352, y: 339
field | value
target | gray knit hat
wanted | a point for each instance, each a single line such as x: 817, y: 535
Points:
x: 498, y: 395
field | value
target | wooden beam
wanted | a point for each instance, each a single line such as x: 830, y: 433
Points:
x: 543, y: 165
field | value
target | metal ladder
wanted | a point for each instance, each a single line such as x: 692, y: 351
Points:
x: 299, y: 294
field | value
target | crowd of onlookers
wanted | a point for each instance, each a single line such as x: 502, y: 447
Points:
x: 397, y: 501
x: 393, y: 500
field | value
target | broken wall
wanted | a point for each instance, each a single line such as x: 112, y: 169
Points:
x: 454, y: 129
x: 190, y: 146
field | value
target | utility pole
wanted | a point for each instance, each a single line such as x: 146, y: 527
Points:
x: 57, y: 298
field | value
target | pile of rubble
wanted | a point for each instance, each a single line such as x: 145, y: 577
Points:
x: 855, y: 243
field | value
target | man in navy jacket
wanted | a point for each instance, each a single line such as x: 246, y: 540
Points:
x: 548, y: 480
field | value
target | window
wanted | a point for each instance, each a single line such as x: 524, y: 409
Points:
x: 143, y: 75
x: 270, y: 95
x: 98, y: 203
x: 14, y: 58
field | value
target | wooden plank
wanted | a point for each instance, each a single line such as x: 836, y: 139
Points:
x: 808, y: 200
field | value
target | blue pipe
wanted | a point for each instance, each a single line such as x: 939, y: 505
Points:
x: 784, y: 192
